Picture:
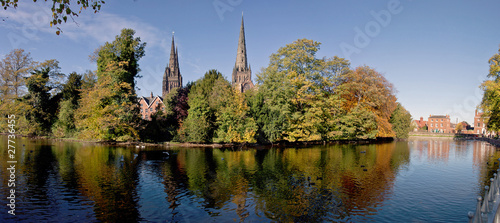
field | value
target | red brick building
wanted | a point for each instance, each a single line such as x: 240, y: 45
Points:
x: 420, y: 123
x: 479, y: 124
x: 150, y: 105
x: 439, y: 124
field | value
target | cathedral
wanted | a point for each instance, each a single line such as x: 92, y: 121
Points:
x: 172, y: 77
x: 242, y: 73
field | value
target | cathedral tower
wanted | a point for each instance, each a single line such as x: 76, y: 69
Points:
x: 242, y: 73
x: 172, y: 77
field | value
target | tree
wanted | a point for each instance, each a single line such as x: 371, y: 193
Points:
x: 368, y: 88
x: 39, y: 99
x: 61, y: 9
x: 233, y: 122
x: 108, y: 111
x: 105, y: 113
x: 490, y: 103
x: 72, y: 88
x: 459, y: 127
x: 65, y: 123
x: 204, y: 100
x: 126, y: 51
x: 401, y: 122
x: 300, y: 94
x: 14, y: 68
x: 358, y: 123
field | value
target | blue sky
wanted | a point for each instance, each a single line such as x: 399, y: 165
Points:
x: 434, y: 52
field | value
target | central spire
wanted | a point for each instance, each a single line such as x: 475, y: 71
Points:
x: 173, y: 55
x: 241, y: 56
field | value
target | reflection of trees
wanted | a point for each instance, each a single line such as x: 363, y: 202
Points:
x: 311, y: 184
x: 108, y: 181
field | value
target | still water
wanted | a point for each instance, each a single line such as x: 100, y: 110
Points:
x: 421, y: 180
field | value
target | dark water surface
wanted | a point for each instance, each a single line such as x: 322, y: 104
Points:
x: 422, y: 180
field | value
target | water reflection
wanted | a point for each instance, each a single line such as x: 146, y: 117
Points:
x: 62, y: 181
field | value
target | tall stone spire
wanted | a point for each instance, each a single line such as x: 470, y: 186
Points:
x: 172, y: 62
x: 242, y: 74
x: 241, y: 56
x: 172, y: 77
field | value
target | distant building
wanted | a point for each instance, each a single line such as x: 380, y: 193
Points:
x: 420, y: 123
x: 242, y: 73
x: 479, y: 123
x: 150, y: 105
x: 439, y: 124
x: 172, y: 77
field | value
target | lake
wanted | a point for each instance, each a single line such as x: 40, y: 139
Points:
x: 420, y: 180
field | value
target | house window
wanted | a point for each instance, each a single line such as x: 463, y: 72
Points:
x: 441, y: 124
x: 432, y: 125
x: 151, y: 109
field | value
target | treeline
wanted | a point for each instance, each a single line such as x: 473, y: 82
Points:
x: 298, y: 97
x: 491, y: 97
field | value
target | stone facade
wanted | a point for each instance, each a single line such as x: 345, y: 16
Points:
x: 172, y: 77
x: 242, y: 73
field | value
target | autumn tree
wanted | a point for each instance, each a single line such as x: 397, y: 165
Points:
x: 14, y: 69
x: 108, y: 111
x: 369, y: 89
x: 490, y: 103
x: 459, y: 127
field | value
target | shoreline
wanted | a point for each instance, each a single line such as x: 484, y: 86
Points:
x: 280, y: 144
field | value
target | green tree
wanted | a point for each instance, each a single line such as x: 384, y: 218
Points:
x: 61, y: 9
x: 233, y: 121
x: 99, y: 117
x: 126, y: 51
x: 72, y: 88
x: 65, y: 123
x: 205, y: 97
x: 38, y: 98
x: 108, y: 111
x: 491, y: 97
x: 358, y: 123
x: 401, y: 122
x: 300, y: 94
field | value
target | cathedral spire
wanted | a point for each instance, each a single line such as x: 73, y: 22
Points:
x: 242, y: 75
x: 241, y: 56
x: 172, y: 77
x: 173, y: 55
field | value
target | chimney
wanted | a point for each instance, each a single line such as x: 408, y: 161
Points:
x: 421, y: 119
x: 151, y: 95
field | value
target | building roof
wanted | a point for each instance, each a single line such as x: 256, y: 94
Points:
x: 150, y: 100
x: 438, y: 116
